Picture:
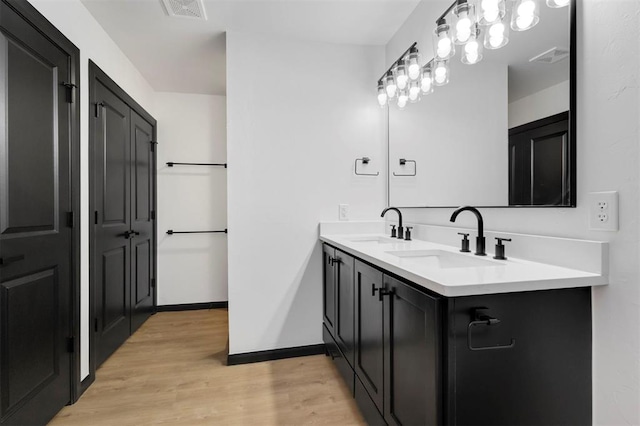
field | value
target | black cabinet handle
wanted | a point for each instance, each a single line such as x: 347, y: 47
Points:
x: 481, y: 318
x: 374, y: 289
x: 334, y: 260
x: 129, y: 234
x: 4, y: 261
x: 384, y: 292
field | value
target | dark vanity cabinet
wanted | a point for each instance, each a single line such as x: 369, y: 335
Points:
x: 412, y: 357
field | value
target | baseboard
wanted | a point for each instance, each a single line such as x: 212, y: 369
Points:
x: 274, y: 354
x: 193, y: 306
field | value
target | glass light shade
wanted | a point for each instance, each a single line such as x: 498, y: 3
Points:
x: 442, y: 42
x: 496, y: 35
x: 441, y: 73
x: 400, y: 72
x: 382, y: 94
x: 525, y: 15
x: 491, y: 11
x: 472, y: 51
x: 413, y: 64
x: 426, y: 82
x: 558, y: 3
x: 464, y: 22
x: 414, y: 92
x: 403, y: 98
x: 390, y: 86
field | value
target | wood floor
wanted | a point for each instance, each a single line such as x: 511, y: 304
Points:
x: 172, y: 371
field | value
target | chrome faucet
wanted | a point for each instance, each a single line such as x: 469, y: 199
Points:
x: 400, y: 228
x: 480, y: 240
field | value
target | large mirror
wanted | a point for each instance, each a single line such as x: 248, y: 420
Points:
x: 501, y: 132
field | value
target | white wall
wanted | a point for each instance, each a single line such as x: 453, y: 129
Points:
x: 545, y: 103
x: 79, y: 26
x: 299, y: 114
x: 192, y: 268
x: 608, y: 134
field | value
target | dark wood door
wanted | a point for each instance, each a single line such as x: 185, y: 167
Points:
x: 112, y: 201
x: 35, y: 238
x: 542, y: 163
x: 369, y: 357
x: 345, y: 305
x: 329, y: 288
x: 142, y: 203
x: 412, y: 345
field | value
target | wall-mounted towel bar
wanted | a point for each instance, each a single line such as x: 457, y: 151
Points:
x: 171, y: 232
x: 364, y: 160
x: 403, y: 162
x: 171, y: 164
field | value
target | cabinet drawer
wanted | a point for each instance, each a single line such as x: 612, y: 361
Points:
x: 338, y: 358
x: 367, y: 407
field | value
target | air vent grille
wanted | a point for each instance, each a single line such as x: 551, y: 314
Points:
x: 551, y: 56
x: 193, y: 9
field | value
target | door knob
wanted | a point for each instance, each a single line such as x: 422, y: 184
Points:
x: 129, y: 234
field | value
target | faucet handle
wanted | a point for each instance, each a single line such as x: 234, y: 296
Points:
x: 393, y: 231
x: 407, y: 233
x: 464, y: 243
x: 500, y: 249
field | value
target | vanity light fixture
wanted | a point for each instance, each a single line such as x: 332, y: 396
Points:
x: 558, y: 3
x: 400, y: 72
x: 390, y: 85
x: 465, y: 20
x: 413, y: 67
x: 472, y: 51
x: 382, y: 94
x: 525, y: 15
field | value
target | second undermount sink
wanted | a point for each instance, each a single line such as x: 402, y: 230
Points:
x: 443, y: 259
x: 375, y: 239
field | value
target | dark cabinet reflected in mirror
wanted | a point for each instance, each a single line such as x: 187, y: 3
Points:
x: 501, y: 133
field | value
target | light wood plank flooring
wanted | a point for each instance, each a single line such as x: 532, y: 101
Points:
x: 172, y: 371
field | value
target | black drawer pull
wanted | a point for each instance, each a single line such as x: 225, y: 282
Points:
x: 481, y: 318
x: 384, y: 292
x: 4, y: 261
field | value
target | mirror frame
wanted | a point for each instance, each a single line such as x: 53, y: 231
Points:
x: 572, y: 132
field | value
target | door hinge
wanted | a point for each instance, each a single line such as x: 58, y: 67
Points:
x: 99, y: 106
x: 153, y: 215
x: 70, y: 93
x: 95, y: 217
x: 153, y: 145
x: 95, y: 324
x: 153, y: 283
x: 70, y: 219
x: 71, y: 344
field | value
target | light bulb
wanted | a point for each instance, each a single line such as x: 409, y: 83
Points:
x: 441, y: 74
x: 525, y: 15
x: 382, y: 99
x: 442, y: 41
x: 558, y: 3
x: 413, y: 68
x: 473, y: 49
x: 426, y: 82
x: 390, y: 85
x: 463, y: 28
x: 496, y: 41
x: 403, y: 98
x: 496, y: 36
x: 464, y: 14
x: 402, y: 79
x: 414, y: 92
x: 491, y: 11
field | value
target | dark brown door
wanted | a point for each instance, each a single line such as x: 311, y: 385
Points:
x: 369, y: 358
x: 35, y: 239
x: 142, y: 203
x: 412, y: 363
x: 112, y: 198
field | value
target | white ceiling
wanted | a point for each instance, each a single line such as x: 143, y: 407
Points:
x: 188, y: 56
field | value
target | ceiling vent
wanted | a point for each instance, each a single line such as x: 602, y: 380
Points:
x: 551, y: 56
x: 193, y: 9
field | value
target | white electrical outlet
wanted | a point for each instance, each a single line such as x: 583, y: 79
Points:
x: 603, y: 211
x: 343, y: 212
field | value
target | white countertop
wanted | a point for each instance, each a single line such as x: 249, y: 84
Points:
x: 494, y: 276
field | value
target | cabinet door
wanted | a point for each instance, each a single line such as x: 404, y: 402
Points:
x: 412, y: 343
x: 329, y: 290
x: 345, y: 305
x: 369, y: 332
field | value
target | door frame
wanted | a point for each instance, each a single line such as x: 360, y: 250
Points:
x: 97, y: 75
x: 33, y: 17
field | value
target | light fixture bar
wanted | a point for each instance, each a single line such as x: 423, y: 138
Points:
x: 449, y: 9
x: 406, y: 52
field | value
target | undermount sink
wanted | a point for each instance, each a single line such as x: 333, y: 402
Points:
x: 443, y: 259
x: 379, y: 240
